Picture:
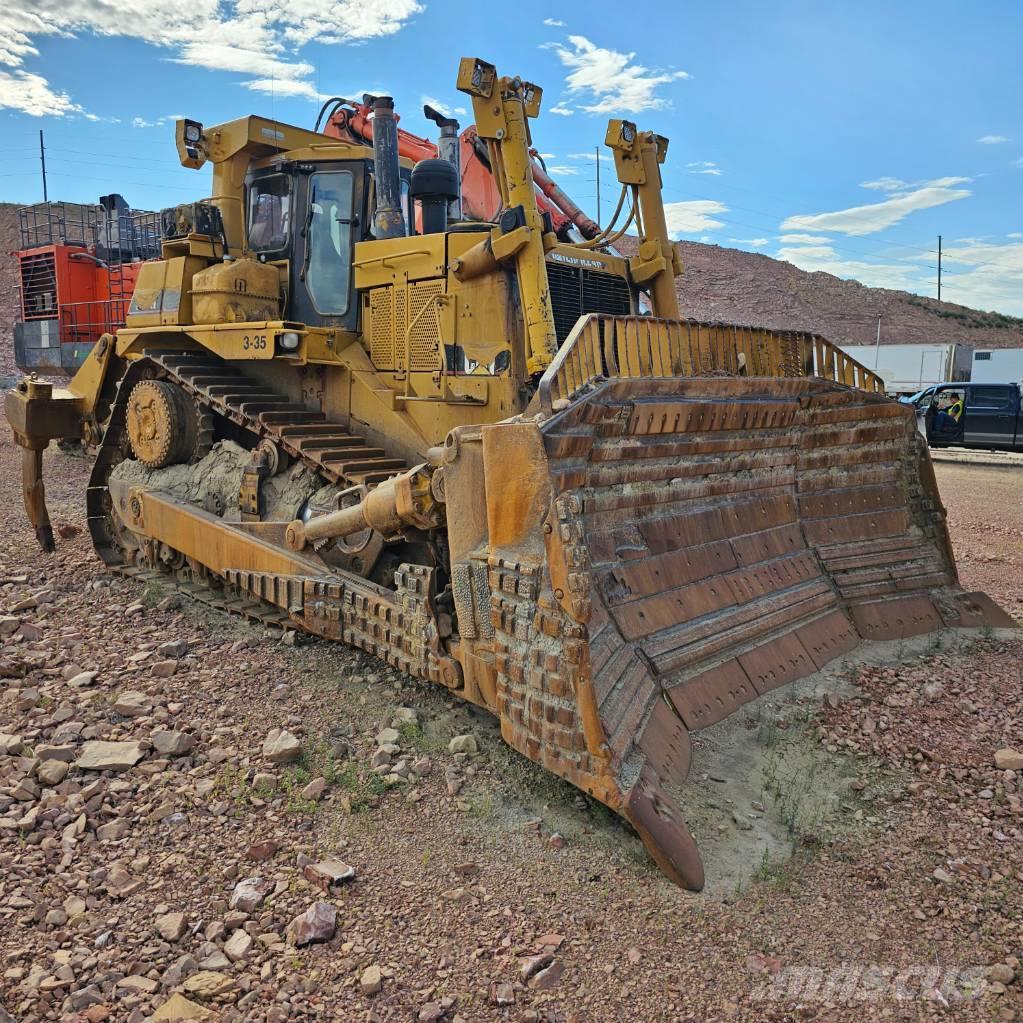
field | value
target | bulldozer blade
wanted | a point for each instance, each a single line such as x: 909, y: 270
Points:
x: 663, y: 552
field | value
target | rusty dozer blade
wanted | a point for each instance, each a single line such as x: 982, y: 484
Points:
x: 662, y: 551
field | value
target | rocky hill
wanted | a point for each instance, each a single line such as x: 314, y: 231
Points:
x: 731, y: 285
x: 8, y: 286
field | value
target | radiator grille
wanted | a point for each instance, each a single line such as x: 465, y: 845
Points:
x: 577, y: 290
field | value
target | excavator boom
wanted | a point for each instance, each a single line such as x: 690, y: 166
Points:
x: 480, y: 197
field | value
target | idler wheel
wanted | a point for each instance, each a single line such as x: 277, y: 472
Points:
x: 162, y: 422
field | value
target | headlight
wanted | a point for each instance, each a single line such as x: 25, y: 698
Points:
x: 289, y: 340
x: 193, y: 131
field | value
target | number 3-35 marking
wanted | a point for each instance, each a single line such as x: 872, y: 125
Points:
x: 257, y: 341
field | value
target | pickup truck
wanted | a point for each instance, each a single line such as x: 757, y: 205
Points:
x: 991, y: 415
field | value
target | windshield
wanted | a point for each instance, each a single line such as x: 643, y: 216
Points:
x: 269, y: 213
x: 921, y: 397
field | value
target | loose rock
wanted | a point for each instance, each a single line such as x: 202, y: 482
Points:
x: 281, y: 747
x: 317, y: 923
x: 109, y: 756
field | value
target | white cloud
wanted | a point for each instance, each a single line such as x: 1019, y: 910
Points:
x: 993, y: 140
x: 803, y: 239
x: 561, y: 171
x: 906, y: 276
x: 561, y: 110
x: 284, y: 87
x: 859, y: 220
x: 704, y: 167
x: 1015, y: 234
x: 264, y: 36
x: 884, y: 184
x: 600, y: 155
x: 159, y: 122
x: 985, y: 275
x: 31, y: 94
x: 611, y: 81
x: 446, y: 109
x: 553, y: 22
x: 753, y: 243
x: 693, y: 216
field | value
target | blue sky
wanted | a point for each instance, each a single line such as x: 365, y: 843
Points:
x: 841, y: 137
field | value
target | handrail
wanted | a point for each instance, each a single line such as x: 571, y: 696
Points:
x: 642, y: 346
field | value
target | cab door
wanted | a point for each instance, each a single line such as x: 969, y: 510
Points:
x: 330, y: 198
x: 990, y: 416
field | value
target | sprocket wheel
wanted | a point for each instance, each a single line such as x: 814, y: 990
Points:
x: 163, y: 424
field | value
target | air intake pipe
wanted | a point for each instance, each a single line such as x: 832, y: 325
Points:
x: 388, y: 221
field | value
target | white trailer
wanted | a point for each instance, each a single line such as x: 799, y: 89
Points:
x: 906, y: 369
x: 997, y: 366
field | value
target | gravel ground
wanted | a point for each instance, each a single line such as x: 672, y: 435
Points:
x: 483, y: 889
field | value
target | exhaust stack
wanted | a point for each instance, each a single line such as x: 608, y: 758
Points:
x: 388, y: 221
x: 449, y: 148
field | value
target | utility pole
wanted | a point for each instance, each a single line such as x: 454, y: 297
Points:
x: 939, y: 267
x: 42, y: 160
x: 596, y: 156
x: 877, y: 346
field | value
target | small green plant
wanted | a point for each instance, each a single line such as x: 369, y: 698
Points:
x: 231, y: 785
x: 411, y: 734
x: 290, y: 787
x: 779, y: 875
x: 481, y: 805
x: 362, y: 790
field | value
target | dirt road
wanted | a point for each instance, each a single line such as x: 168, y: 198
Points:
x: 484, y: 889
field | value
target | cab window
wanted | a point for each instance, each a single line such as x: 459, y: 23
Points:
x: 991, y: 398
x: 329, y: 241
x: 270, y: 213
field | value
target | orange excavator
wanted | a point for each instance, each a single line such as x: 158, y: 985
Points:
x: 480, y: 197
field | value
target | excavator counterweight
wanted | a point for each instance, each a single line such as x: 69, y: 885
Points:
x: 491, y: 452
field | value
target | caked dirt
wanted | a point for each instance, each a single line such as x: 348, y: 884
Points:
x: 864, y: 828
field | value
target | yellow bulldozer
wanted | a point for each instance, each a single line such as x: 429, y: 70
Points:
x: 495, y: 459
